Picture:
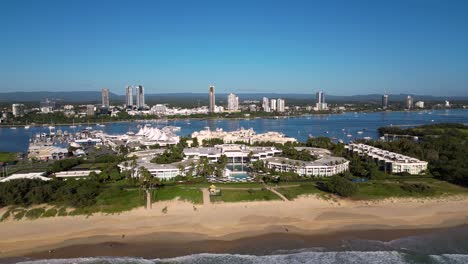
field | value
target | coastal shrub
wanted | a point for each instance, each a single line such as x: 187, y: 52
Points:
x: 418, y: 188
x: 340, y: 186
x: 51, y: 212
x: 18, y: 214
x: 62, y: 212
x: 34, y: 213
x: 5, y: 215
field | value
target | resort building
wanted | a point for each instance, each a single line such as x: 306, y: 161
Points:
x: 46, y: 152
x: 75, y: 174
x: 392, y: 162
x: 161, y: 171
x: 236, y: 153
x: 324, y: 167
x: 242, y: 135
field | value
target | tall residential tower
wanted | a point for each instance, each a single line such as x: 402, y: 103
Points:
x: 105, y: 97
x: 212, y: 99
x: 385, y: 101
x: 320, y: 101
x: 140, y: 97
x: 233, y: 102
x: 129, y: 96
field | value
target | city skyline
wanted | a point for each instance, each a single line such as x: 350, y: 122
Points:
x: 339, y: 47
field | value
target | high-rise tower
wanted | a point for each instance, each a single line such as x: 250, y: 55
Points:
x: 105, y: 97
x: 129, y: 96
x: 385, y: 101
x: 140, y: 97
x: 233, y: 102
x: 320, y: 101
x: 409, y: 102
x: 212, y: 99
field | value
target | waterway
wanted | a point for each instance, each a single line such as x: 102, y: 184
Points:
x: 339, y: 126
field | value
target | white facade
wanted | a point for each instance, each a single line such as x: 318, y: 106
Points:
x: 18, y: 109
x: 397, y: 163
x: 266, y: 104
x: 273, y: 104
x: 233, y: 102
x: 409, y: 102
x: 320, y: 101
x: 419, y: 104
x: 242, y: 135
x: 281, y: 105
x: 324, y: 167
x: 129, y: 96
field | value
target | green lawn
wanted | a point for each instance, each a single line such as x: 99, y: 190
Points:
x: 244, y: 195
x: 186, y: 193
x: 293, y: 192
x: 393, y: 188
x: 7, y: 156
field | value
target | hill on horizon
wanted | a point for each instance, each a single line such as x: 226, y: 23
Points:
x: 95, y: 97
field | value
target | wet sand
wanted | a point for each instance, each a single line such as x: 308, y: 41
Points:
x: 167, y: 245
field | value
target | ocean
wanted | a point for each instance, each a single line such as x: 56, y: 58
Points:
x: 338, y: 126
x: 441, y: 246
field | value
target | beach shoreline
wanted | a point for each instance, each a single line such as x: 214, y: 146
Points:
x: 244, y: 227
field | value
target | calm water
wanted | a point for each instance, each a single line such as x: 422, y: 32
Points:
x: 299, y: 127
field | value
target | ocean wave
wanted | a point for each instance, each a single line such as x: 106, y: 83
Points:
x: 378, y: 257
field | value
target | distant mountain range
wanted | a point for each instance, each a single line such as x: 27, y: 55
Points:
x: 202, y: 98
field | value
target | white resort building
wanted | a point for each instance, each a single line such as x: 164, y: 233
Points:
x: 236, y: 153
x: 242, y: 135
x: 323, y: 167
x: 394, y: 162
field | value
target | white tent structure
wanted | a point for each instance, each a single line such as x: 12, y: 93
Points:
x: 29, y: 176
x: 152, y: 135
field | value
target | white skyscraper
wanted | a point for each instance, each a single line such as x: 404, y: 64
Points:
x: 273, y: 104
x: 409, y: 102
x: 281, y: 105
x: 233, y: 102
x: 320, y: 101
x: 140, y: 97
x: 129, y: 96
x: 105, y: 97
x: 266, y: 104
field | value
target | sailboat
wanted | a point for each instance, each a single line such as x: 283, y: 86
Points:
x: 73, y: 126
x: 89, y: 127
x: 26, y: 127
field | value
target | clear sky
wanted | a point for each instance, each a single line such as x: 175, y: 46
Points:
x: 342, y: 47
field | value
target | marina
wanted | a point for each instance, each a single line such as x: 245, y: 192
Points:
x: 340, y: 127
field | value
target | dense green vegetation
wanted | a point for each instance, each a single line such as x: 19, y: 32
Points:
x: 340, y: 186
x: 445, y: 146
x: 244, y: 195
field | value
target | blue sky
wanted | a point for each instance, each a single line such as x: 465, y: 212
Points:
x: 342, y: 47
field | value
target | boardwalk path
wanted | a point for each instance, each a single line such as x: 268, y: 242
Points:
x: 206, y: 196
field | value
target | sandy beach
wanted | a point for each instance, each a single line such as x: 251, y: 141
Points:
x: 222, y: 227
